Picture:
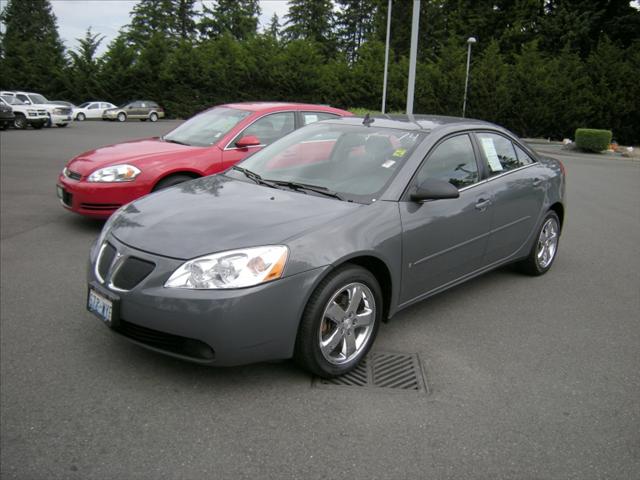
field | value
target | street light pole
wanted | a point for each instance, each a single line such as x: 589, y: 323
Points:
x: 470, y: 41
x: 386, y: 59
x: 413, y: 55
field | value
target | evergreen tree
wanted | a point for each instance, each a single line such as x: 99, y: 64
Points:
x: 273, y: 30
x: 239, y: 18
x: 172, y: 19
x: 117, y: 75
x: 84, y: 68
x: 354, y: 22
x: 310, y: 20
x: 33, y: 52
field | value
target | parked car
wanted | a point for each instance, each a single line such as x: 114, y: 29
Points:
x: 305, y: 247
x: 98, y: 182
x: 57, y: 114
x: 25, y: 115
x: 138, y: 109
x: 6, y: 115
x: 63, y: 103
x: 91, y: 110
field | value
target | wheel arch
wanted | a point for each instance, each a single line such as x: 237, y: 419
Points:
x: 559, y: 209
x: 190, y: 173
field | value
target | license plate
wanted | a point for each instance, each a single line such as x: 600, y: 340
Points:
x: 59, y: 191
x: 101, y: 306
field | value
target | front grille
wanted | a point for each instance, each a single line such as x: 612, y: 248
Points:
x: 100, y: 206
x: 73, y: 175
x: 108, y: 253
x: 64, y: 111
x: 42, y: 112
x: 132, y: 271
x: 184, y: 346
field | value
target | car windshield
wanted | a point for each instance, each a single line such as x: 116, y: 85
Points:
x: 206, y: 128
x: 351, y: 162
x: 37, y: 98
x: 85, y: 104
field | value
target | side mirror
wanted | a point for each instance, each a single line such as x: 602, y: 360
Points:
x: 130, y: 107
x: 248, y: 141
x: 434, y: 189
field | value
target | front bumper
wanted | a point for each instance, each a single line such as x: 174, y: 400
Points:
x: 97, y: 200
x: 60, y: 119
x: 236, y: 326
x: 110, y: 115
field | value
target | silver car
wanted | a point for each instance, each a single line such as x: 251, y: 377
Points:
x: 305, y: 247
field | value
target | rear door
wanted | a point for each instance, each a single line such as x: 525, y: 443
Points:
x: 94, y: 110
x: 445, y: 240
x: 518, y: 194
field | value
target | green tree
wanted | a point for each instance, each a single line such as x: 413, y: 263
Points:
x: 311, y: 20
x: 117, y: 75
x: 273, y: 29
x: 171, y: 19
x: 354, y: 25
x: 239, y: 18
x: 33, y: 52
x: 82, y: 74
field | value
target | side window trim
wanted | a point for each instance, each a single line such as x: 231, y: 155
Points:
x: 239, y: 135
x: 411, y: 183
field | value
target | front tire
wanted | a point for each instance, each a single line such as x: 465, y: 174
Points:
x: 544, y: 250
x: 20, y: 122
x: 37, y: 125
x: 122, y: 117
x: 81, y: 117
x: 340, y: 322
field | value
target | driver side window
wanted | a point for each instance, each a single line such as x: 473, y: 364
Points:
x: 452, y: 161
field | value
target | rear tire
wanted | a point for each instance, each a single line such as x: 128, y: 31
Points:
x: 20, y: 122
x: 340, y: 322
x: 171, y: 181
x: 153, y: 117
x: 545, y: 248
x: 122, y: 117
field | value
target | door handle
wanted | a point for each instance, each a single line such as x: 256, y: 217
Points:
x: 482, y: 204
x: 536, y: 182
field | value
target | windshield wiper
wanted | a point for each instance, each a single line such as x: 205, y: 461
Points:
x: 305, y: 186
x: 254, y: 176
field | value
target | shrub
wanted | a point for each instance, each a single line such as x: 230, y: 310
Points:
x: 593, y: 140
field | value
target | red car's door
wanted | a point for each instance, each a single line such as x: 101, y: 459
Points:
x: 268, y: 129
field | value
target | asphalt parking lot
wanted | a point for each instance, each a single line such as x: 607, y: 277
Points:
x: 529, y: 378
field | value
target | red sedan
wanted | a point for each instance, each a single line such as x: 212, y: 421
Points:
x: 98, y: 182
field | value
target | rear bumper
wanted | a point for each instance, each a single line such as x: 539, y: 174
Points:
x: 96, y: 200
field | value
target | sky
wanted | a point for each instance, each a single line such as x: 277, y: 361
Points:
x: 106, y: 17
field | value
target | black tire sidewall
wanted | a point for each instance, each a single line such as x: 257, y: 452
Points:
x: 307, y: 348
x: 20, y: 122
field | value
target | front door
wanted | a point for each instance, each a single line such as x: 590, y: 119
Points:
x: 444, y: 240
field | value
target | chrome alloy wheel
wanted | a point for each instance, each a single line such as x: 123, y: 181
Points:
x: 347, y: 323
x: 547, y: 243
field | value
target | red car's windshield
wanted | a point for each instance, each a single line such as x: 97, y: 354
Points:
x: 207, y: 127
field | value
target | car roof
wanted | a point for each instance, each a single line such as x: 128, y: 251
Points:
x: 425, y: 123
x: 263, y: 106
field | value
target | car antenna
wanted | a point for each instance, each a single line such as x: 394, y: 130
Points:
x: 367, y: 120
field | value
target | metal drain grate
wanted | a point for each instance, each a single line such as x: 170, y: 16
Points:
x: 383, y: 371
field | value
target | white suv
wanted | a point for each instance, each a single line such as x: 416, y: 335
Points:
x: 25, y: 114
x: 58, y: 114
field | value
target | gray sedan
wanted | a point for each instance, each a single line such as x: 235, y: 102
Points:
x: 305, y: 247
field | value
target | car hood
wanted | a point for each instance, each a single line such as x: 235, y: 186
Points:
x: 127, y: 152
x: 217, y: 213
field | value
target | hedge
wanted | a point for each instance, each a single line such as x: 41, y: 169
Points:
x: 593, y: 140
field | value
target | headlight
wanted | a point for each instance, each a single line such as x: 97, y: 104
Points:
x: 58, y: 111
x: 231, y: 269
x: 32, y: 113
x: 116, y: 173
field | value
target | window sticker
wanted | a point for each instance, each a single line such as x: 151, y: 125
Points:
x: 389, y: 163
x: 491, y: 154
x: 399, y: 152
x: 310, y: 118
